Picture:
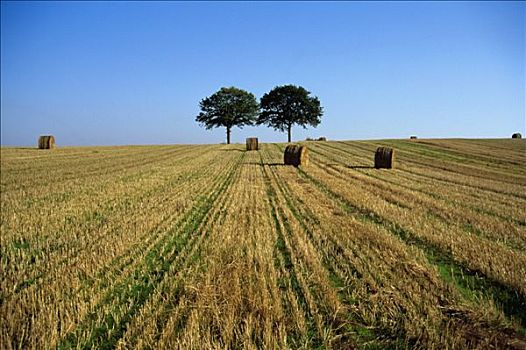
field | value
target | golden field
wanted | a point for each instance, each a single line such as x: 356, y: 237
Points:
x: 211, y: 246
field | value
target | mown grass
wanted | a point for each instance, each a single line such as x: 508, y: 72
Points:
x: 214, y: 247
x: 471, y: 283
x: 136, y: 290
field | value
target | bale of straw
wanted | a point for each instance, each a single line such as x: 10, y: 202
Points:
x: 384, y: 158
x: 323, y: 138
x: 46, y: 142
x: 252, y: 144
x: 413, y: 137
x: 296, y: 155
x: 517, y: 135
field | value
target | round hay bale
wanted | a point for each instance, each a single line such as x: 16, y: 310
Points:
x: 517, y: 135
x: 384, y: 158
x: 413, y: 137
x: 46, y: 142
x: 296, y: 155
x: 252, y: 144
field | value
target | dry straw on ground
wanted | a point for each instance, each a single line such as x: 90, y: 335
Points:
x: 517, y: 135
x: 46, y: 142
x: 296, y: 155
x: 252, y: 144
x: 164, y: 247
x: 384, y: 158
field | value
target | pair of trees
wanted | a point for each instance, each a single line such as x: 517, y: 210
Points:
x: 280, y: 109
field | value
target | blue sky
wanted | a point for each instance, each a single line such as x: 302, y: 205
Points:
x: 100, y: 73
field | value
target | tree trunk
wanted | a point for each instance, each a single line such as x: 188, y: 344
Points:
x: 228, y: 135
x: 289, y: 129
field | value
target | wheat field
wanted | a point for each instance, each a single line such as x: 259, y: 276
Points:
x: 211, y: 246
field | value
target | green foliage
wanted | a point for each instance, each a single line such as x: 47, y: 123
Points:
x: 227, y: 108
x: 287, y: 105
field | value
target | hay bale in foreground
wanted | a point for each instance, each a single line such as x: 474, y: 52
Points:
x: 46, y: 142
x: 384, y: 158
x: 252, y: 144
x: 517, y: 135
x: 296, y: 155
x: 413, y: 137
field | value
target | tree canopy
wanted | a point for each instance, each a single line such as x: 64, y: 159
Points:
x: 227, y: 108
x: 287, y: 105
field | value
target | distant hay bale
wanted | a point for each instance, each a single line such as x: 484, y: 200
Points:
x: 384, y: 158
x: 323, y: 138
x: 413, y: 137
x: 252, y: 144
x: 296, y: 155
x: 517, y: 135
x: 46, y: 142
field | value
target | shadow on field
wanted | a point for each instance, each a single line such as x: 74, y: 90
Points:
x: 232, y: 149
x: 350, y: 166
x: 359, y: 167
x: 263, y: 164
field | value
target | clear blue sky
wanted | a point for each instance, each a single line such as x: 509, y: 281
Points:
x: 134, y: 73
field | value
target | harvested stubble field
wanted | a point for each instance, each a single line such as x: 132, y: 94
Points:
x: 213, y: 247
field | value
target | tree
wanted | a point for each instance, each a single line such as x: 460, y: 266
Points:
x: 227, y: 108
x: 287, y: 105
